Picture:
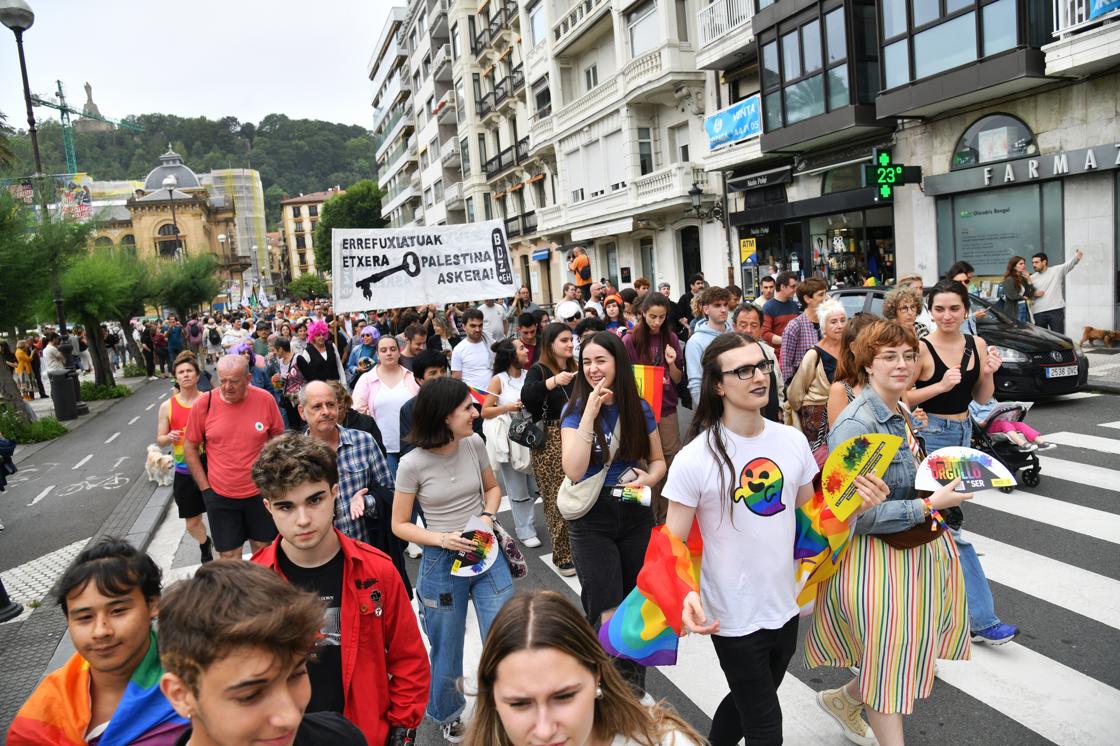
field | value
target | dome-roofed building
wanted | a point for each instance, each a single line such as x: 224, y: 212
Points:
x: 171, y: 164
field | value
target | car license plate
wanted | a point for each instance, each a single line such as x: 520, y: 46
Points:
x: 1061, y: 370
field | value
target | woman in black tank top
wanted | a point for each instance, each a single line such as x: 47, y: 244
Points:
x: 953, y: 369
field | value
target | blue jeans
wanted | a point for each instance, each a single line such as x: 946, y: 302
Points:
x: 520, y: 502
x: 443, y: 617
x: 940, y: 433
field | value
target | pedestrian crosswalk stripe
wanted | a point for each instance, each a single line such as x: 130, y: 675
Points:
x: 1113, y: 425
x: 1074, y: 395
x: 1081, y: 591
x: 1050, y: 698
x: 1070, y: 516
x: 1086, y: 474
x: 1091, y: 442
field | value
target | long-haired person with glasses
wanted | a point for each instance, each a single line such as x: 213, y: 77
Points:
x: 606, y: 418
x: 545, y: 393
x: 897, y: 602
x: 544, y: 678
x: 741, y: 477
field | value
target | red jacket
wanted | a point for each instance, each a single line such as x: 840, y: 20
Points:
x: 385, y: 671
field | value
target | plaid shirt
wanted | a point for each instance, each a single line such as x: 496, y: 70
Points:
x: 798, y: 338
x: 360, y: 464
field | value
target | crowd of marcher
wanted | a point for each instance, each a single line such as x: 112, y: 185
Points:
x: 336, y: 443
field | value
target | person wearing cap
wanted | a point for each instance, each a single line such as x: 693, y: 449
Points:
x: 570, y: 313
x: 364, y: 349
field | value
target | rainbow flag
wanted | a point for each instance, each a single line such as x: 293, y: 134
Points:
x: 650, y: 380
x: 58, y: 712
x: 646, y: 625
x: 479, y: 395
x: 820, y: 540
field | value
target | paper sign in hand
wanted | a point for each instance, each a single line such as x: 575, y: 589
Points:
x: 481, y: 558
x: 861, y: 455
x: 976, y: 469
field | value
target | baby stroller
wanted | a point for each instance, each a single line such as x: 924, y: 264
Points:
x: 998, y: 445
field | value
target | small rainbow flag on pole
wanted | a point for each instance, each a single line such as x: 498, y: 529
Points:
x: 479, y: 395
x: 650, y: 380
x: 646, y: 625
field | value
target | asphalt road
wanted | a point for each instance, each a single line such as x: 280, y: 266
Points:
x: 66, y: 490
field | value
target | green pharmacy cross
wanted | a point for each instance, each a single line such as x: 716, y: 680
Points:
x: 883, y: 175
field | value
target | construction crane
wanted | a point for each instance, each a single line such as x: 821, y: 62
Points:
x: 65, y: 111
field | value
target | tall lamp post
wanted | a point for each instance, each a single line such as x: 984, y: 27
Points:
x: 169, y: 183
x: 18, y: 16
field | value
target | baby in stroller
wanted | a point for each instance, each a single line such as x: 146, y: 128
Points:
x: 1005, y: 419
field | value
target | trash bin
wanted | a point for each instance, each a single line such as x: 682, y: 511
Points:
x: 64, y: 393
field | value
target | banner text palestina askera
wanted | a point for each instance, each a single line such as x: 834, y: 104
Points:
x: 374, y: 261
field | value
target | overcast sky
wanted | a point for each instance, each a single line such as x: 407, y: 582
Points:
x: 212, y: 58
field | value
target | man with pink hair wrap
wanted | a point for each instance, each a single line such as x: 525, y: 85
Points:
x: 320, y: 361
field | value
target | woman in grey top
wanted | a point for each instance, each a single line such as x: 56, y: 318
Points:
x: 449, y: 473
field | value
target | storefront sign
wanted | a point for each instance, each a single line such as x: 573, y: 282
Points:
x: 1036, y: 168
x: 541, y: 255
x: 783, y: 175
x: 1102, y: 7
x: 603, y: 229
x: 737, y: 122
x: 883, y: 174
x: 747, y: 249
x: 991, y: 226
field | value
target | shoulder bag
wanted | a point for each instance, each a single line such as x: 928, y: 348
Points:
x: 525, y: 432
x: 927, y: 530
x: 518, y: 567
x: 575, y: 499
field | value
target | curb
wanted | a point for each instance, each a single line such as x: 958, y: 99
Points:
x: 1107, y: 387
x: 26, y: 450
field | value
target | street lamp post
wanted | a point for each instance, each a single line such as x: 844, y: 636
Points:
x: 18, y: 16
x: 169, y: 183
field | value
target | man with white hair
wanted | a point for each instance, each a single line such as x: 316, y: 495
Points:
x: 231, y: 425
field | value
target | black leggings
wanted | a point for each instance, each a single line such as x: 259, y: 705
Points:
x: 754, y: 666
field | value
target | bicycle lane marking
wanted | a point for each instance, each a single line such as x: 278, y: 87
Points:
x: 41, y: 495
x: 81, y: 463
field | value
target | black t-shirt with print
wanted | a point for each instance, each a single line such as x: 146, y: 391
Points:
x: 326, y: 671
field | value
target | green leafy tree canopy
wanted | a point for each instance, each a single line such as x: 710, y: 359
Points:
x: 308, y: 286
x: 191, y: 282
x: 358, y: 207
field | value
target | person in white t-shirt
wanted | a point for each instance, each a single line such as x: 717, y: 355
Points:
x: 471, y: 360
x: 742, y: 478
x: 494, y: 323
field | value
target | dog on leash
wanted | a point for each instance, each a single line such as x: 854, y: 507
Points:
x: 159, y: 466
x: 1103, y: 336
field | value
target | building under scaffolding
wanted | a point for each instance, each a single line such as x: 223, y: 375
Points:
x: 241, y: 187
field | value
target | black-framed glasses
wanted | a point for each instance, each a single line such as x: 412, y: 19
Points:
x: 746, y: 372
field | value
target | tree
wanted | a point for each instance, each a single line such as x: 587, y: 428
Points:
x: 308, y: 286
x: 182, y: 285
x: 140, y: 289
x: 93, y: 286
x: 358, y: 207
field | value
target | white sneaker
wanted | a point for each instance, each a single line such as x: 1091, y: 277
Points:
x: 414, y: 550
x: 532, y: 542
x: 454, y: 731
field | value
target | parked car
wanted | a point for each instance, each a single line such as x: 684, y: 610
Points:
x: 1036, y: 362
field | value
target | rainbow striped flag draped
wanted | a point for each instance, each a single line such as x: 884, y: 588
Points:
x: 819, y: 542
x: 650, y: 380
x: 58, y: 712
x: 646, y: 625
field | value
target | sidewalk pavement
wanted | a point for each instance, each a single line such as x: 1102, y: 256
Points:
x: 1104, y: 369
x: 30, y: 644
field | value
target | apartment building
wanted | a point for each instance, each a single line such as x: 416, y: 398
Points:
x: 298, y: 218
x: 1009, y: 107
x: 394, y: 125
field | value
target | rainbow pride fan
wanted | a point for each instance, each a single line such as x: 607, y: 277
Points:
x: 861, y: 455
x: 976, y: 469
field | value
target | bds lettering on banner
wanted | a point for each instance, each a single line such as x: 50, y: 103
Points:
x: 397, y: 268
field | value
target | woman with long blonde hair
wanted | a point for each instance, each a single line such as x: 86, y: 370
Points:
x: 544, y: 678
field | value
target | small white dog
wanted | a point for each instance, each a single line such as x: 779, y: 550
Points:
x: 159, y: 466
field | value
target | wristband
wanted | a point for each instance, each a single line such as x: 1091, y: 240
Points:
x: 489, y: 515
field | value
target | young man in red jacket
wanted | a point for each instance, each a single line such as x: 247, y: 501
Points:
x: 371, y: 664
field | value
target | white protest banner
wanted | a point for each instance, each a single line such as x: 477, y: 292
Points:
x: 396, y: 268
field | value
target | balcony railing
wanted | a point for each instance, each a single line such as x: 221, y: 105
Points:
x: 513, y: 226
x: 481, y: 41
x: 485, y: 104
x: 529, y: 222
x: 507, y: 159
x: 724, y: 16
x: 449, y: 152
x: 1072, y: 16
x: 517, y: 77
x: 589, y: 101
x: 501, y: 91
x: 522, y: 150
x: 442, y: 60
x: 453, y: 196
x: 576, y: 19
x: 541, y: 130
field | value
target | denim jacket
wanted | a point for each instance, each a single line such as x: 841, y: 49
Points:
x: 902, y: 510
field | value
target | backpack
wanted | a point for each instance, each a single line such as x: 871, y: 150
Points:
x: 215, y: 337
x: 194, y: 331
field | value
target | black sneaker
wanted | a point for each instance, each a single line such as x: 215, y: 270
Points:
x: 567, y: 569
x: 207, y: 550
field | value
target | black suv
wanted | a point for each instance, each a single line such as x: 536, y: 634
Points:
x: 1036, y: 362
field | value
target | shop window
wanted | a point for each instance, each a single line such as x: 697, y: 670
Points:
x: 843, y: 179
x: 995, y: 138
